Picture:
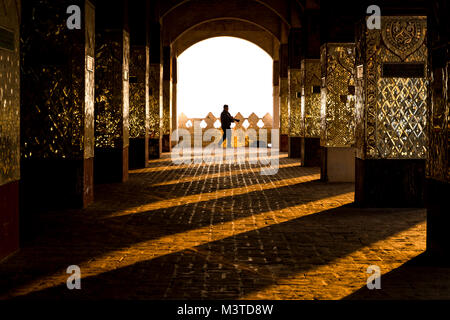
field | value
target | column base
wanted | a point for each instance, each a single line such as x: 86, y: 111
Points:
x: 438, y: 218
x: 338, y: 164
x: 383, y: 183
x: 295, y: 147
x: 111, y: 165
x: 9, y: 219
x: 56, y: 183
x: 52, y: 184
x: 284, y: 143
x: 154, y: 149
x: 138, y: 153
x: 165, y: 143
x: 311, y: 153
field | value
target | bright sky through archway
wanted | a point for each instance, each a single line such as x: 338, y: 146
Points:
x: 224, y: 70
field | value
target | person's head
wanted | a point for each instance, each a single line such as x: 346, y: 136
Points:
x: 225, y: 107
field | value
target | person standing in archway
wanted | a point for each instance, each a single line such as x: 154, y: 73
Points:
x: 226, y: 119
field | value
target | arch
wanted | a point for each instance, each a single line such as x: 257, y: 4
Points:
x: 280, y: 8
x: 231, y: 28
x: 176, y: 22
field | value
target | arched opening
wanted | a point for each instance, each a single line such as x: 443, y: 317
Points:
x: 225, y: 70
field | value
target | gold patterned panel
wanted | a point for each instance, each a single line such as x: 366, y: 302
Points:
x: 310, y: 100
x: 10, y: 96
x: 284, y: 106
x: 392, y: 109
x: 138, y: 89
x: 154, y: 105
x: 338, y: 95
x: 166, y: 97
x: 57, y: 88
x: 110, y: 89
x: 295, y: 123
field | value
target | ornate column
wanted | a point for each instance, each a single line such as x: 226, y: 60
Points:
x: 310, y: 79
x: 276, y: 94
x: 294, y: 103
x: 391, y: 113
x: 57, y: 108
x: 284, y: 98
x: 166, y: 99
x: 174, y: 96
x: 155, y: 107
x: 337, y: 112
x: 112, y: 97
x: 139, y: 106
x: 438, y: 147
x: 310, y: 112
x: 139, y: 85
x: 9, y: 128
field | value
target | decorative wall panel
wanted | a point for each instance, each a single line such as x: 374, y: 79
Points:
x: 284, y: 106
x: 154, y: 101
x: 138, y: 91
x: 111, y: 99
x: 57, y: 87
x: 392, y: 89
x: 295, y: 124
x: 10, y: 94
x: 310, y: 100
x: 337, y: 95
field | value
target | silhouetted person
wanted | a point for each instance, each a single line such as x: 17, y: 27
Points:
x: 226, y: 119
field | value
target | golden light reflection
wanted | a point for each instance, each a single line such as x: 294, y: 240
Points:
x: 220, y: 174
x: 185, y: 241
x: 195, y: 198
x: 348, y: 273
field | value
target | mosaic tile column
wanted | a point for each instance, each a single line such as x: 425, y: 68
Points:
x: 276, y: 94
x: 438, y: 146
x: 112, y: 106
x: 294, y: 101
x: 310, y: 112
x: 166, y: 100
x: 155, y: 107
x: 284, y: 99
x: 294, y: 106
x: 337, y: 112
x: 391, y: 131
x: 57, y: 108
x: 174, y: 97
x: 139, y: 106
x: 9, y: 127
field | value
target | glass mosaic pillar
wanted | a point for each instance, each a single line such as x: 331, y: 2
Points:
x: 276, y: 94
x: 112, y: 101
x: 57, y: 107
x: 155, y: 110
x: 294, y: 103
x: 438, y: 147
x: 174, y: 118
x: 391, y: 112
x: 166, y: 100
x: 284, y: 98
x: 9, y: 128
x: 139, y: 106
x: 337, y: 112
x: 310, y: 112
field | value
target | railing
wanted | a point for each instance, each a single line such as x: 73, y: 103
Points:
x: 246, y: 132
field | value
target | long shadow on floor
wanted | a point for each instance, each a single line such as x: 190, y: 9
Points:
x: 74, y: 237
x: 245, y: 263
x: 420, y: 278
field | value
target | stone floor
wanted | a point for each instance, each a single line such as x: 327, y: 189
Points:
x: 225, y: 231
